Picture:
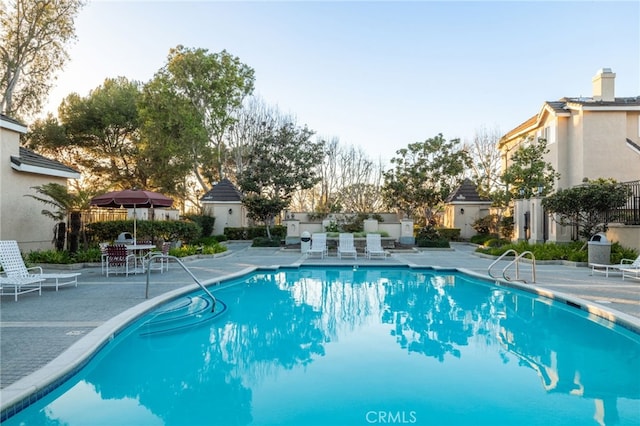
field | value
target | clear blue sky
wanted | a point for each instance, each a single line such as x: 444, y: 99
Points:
x: 378, y: 75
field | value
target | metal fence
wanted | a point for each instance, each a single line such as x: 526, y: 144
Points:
x: 103, y: 215
x: 629, y: 214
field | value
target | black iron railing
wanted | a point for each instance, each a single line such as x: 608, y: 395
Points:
x: 629, y: 214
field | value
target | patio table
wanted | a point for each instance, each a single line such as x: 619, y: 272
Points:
x: 139, y: 251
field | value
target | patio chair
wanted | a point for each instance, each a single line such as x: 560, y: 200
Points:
x: 119, y: 260
x: 318, y: 245
x: 13, y: 265
x: 616, y: 267
x: 374, y: 247
x: 158, y: 263
x: 103, y: 256
x: 346, y: 246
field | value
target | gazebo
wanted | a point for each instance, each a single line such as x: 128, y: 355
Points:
x: 224, y: 202
x: 463, y: 207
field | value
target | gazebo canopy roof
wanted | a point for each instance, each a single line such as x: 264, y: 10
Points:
x: 222, y: 191
x: 466, y: 193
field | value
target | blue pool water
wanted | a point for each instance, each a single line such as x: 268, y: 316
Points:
x: 336, y: 346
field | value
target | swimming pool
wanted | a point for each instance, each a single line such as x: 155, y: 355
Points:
x: 338, y: 346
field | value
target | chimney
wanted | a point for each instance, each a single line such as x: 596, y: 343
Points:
x: 604, y: 85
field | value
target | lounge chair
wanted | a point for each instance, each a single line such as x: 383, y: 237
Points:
x: 616, y: 267
x: 318, y: 245
x: 346, y: 246
x: 14, y: 268
x: 15, y: 286
x: 631, y: 270
x: 374, y: 247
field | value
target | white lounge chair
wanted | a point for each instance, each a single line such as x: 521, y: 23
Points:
x: 318, y: 245
x: 631, y: 270
x: 14, y: 268
x: 15, y: 286
x: 346, y: 246
x: 374, y: 247
x: 616, y: 267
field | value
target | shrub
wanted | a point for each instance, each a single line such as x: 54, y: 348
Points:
x: 433, y: 243
x: 265, y: 242
x: 190, y: 250
x: 206, y: 223
x: 449, y: 234
x: 168, y: 230
x: 278, y: 231
x: 482, y: 238
x: 63, y: 257
x: 495, y: 242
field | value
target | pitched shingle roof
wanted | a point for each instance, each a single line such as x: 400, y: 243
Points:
x: 30, y: 162
x: 223, y: 191
x: 7, y: 122
x: 467, y: 193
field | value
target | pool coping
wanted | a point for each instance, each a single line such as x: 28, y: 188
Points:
x: 28, y: 390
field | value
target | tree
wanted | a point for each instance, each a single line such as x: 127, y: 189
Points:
x: 35, y: 35
x: 585, y: 206
x: 215, y: 84
x: 485, y: 160
x: 425, y: 173
x: 104, y: 127
x: 171, y: 133
x: 529, y: 175
x: 282, y: 161
x: 65, y: 204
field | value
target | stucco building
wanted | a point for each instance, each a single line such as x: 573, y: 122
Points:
x: 463, y: 207
x: 588, y: 138
x: 224, y: 202
x: 20, y: 170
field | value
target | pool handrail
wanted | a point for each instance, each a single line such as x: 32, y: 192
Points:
x: 179, y: 262
x: 516, y: 261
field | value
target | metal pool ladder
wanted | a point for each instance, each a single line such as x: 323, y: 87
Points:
x: 179, y: 262
x: 516, y: 262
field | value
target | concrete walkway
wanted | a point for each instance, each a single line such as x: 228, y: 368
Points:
x: 36, y: 330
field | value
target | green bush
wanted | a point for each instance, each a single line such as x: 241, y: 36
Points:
x: 63, y: 257
x: 278, y: 231
x: 618, y: 253
x: 495, y: 242
x: 482, y: 238
x: 190, y: 250
x: 433, y: 243
x: 265, y: 242
x: 574, y: 251
x: 449, y: 234
x: 206, y: 223
x: 167, y: 230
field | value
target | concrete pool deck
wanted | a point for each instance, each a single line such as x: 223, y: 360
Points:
x: 42, y: 334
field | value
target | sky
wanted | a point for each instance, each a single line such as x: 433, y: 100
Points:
x: 375, y: 75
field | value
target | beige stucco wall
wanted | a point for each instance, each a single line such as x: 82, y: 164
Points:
x: 20, y: 217
x: 606, y: 153
x: 627, y: 236
x: 220, y: 210
x: 454, y: 218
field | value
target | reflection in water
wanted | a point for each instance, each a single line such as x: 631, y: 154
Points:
x: 327, y: 346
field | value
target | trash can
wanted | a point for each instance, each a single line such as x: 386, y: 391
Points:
x: 305, y: 242
x: 599, y: 249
